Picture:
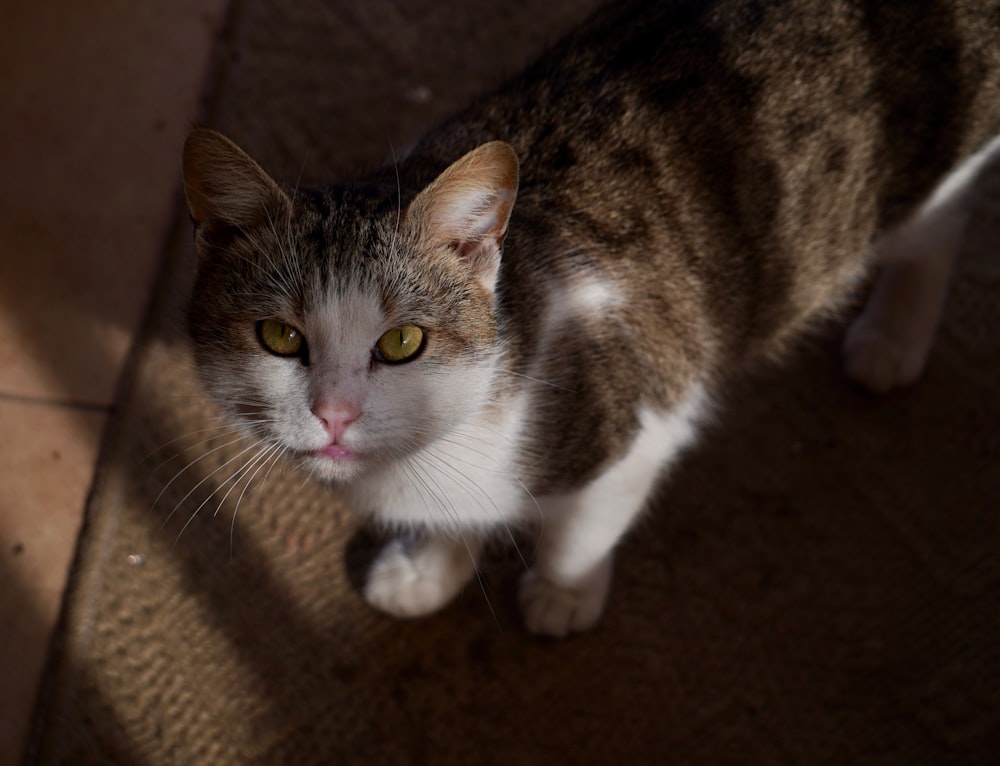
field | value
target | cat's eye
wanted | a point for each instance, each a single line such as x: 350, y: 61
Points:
x: 400, y: 344
x: 280, y: 338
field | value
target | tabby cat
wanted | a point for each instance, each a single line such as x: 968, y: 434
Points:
x: 523, y: 324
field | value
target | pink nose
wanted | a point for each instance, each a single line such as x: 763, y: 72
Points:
x: 336, y: 417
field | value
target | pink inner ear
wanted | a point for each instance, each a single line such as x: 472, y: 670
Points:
x: 463, y: 248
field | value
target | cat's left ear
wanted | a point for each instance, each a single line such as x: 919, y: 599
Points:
x: 468, y: 206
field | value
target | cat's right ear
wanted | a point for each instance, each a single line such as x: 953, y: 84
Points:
x: 225, y: 189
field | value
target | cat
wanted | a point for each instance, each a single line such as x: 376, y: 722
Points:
x: 525, y: 322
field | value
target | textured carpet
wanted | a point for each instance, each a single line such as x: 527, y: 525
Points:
x: 819, y: 583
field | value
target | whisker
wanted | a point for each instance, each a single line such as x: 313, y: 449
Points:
x: 421, y: 477
x: 399, y: 190
x: 482, y: 583
x: 227, y: 429
x: 192, y: 464
x: 238, y: 476
x: 276, y: 453
x: 213, y: 473
x: 235, y: 478
x: 215, y: 428
x: 535, y: 380
x: 423, y: 491
x: 443, y: 500
x: 499, y: 514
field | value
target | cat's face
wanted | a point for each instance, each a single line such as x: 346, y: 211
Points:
x: 343, y: 331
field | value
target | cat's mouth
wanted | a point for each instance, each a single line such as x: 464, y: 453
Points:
x: 337, y: 452
x: 335, y: 462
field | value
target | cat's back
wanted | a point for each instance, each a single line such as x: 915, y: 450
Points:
x: 754, y: 147
x: 728, y: 107
x: 706, y: 72
x: 699, y: 180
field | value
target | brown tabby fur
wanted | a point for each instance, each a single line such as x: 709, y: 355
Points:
x: 732, y: 161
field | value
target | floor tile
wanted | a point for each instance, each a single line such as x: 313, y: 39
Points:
x: 42, y: 486
x: 97, y: 99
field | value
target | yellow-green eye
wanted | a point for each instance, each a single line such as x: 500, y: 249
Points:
x: 280, y: 338
x: 400, y: 344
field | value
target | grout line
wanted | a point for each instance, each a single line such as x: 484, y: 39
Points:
x: 70, y: 404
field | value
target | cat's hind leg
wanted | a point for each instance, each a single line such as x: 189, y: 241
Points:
x: 416, y: 575
x: 887, y: 345
x: 566, y: 589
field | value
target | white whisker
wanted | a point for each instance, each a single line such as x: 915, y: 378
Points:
x: 456, y: 474
x: 535, y: 380
x: 196, y: 486
x: 234, y: 478
x: 216, y: 429
x: 238, y: 476
x: 276, y: 452
x: 190, y: 465
x: 399, y: 191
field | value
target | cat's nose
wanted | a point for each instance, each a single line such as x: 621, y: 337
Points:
x: 336, y: 417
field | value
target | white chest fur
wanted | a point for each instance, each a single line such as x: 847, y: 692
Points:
x: 466, y: 479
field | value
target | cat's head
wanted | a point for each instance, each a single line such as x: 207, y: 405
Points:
x: 337, y: 325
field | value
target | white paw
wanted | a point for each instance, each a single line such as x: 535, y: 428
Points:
x: 555, y: 610
x: 879, y: 361
x: 413, y: 581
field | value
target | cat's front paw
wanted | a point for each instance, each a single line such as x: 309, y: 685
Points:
x: 413, y: 579
x: 556, y: 610
x: 879, y: 361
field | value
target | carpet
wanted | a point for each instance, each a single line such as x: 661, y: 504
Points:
x: 818, y: 583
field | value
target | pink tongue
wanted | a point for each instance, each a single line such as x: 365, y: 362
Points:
x: 336, y: 450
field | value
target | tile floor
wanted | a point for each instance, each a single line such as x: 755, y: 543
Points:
x: 95, y: 99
